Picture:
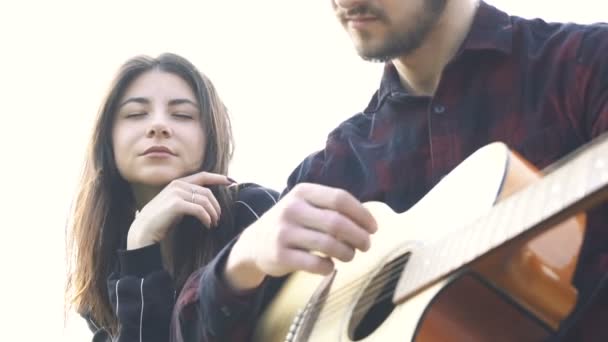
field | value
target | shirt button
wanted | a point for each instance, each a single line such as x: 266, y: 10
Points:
x: 226, y: 311
x: 438, y: 109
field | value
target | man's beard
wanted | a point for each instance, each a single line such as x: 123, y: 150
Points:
x: 401, y: 43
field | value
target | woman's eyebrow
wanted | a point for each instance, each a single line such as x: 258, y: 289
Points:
x: 173, y: 102
x: 176, y: 102
x: 141, y: 100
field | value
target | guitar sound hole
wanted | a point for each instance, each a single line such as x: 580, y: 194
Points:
x: 375, y: 304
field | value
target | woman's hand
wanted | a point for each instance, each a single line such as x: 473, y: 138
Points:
x: 306, y: 229
x: 183, y: 196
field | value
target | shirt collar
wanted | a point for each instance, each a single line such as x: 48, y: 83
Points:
x: 491, y: 30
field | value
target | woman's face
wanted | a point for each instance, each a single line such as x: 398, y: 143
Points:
x: 157, y: 134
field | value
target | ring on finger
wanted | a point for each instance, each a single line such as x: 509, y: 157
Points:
x: 193, y: 194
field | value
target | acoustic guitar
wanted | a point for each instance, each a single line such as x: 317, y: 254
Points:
x: 487, y: 255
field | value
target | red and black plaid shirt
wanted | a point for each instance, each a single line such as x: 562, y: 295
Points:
x: 541, y: 88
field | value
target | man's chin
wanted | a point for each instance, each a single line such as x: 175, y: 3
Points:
x: 372, y: 53
x: 373, y: 56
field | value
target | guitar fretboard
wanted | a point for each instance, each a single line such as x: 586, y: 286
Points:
x: 573, y: 185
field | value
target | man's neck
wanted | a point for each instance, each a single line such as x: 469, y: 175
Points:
x: 420, y: 71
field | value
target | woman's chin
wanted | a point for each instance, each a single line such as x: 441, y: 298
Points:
x: 159, y: 180
x: 156, y: 177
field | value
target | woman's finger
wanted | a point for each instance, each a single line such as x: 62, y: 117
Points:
x: 189, y: 191
x: 207, y: 193
x: 197, y: 211
x: 205, y: 202
x: 207, y: 178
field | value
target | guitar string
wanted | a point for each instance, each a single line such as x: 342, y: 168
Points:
x: 366, y: 301
x: 381, y: 281
x: 328, y: 315
x: 333, y: 307
x: 339, y: 296
x: 346, y: 291
x: 374, y: 294
x: 334, y: 304
x: 333, y: 301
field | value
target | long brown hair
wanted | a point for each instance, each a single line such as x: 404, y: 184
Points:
x: 104, y: 206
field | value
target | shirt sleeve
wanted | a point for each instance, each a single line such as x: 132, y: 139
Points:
x: 336, y: 165
x: 207, y: 309
x: 590, y: 116
x: 142, y: 296
x: 313, y: 167
x: 593, y: 67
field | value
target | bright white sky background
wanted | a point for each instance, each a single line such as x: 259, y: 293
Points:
x: 286, y: 70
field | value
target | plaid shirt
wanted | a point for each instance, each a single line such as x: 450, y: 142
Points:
x: 541, y: 88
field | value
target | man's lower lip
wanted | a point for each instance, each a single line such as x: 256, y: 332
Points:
x: 361, y: 23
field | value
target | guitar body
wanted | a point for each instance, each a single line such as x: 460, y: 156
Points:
x: 519, y: 291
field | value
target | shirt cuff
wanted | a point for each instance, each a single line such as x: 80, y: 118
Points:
x: 141, y: 261
x: 227, y: 305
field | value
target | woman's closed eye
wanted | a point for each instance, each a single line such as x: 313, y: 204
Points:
x: 183, y: 116
x: 135, y: 114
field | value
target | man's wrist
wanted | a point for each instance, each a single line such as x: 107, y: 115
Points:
x: 240, y: 272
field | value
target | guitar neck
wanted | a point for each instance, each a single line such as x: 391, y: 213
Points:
x: 574, y: 186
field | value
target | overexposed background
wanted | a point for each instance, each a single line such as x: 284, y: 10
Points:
x: 286, y: 70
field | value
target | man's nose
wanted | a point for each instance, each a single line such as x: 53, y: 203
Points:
x: 348, y: 4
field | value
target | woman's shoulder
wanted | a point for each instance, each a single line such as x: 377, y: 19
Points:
x: 252, y: 192
x: 254, y: 199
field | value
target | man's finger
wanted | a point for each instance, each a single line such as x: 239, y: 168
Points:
x: 301, y: 260
x: 338, y: 200
x: 332, y: 223
x: 315, y: 241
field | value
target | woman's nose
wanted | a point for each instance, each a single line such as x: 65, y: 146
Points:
x: 159, y: 128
